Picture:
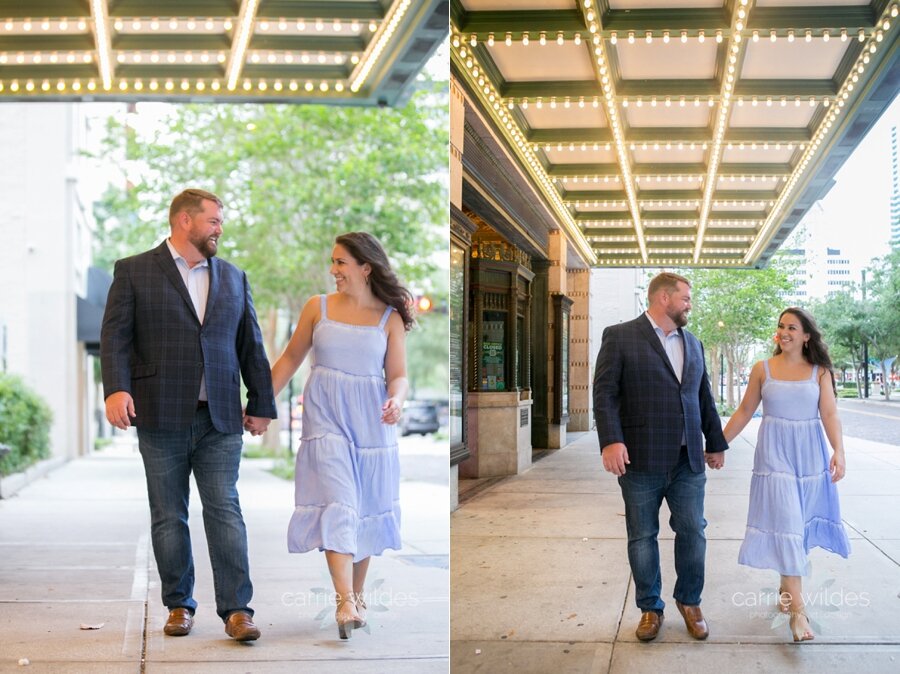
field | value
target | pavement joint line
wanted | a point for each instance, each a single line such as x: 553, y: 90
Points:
x: 612, y: 650
x: 871, y: 542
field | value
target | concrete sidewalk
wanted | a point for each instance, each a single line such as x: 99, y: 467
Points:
x: 75, y: 548
x: 541, y: 583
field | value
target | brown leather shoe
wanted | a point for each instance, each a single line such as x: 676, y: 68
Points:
x: 649, y: 626
x: 179, y: 623
x: 240, y: 627
x: 693, y: 620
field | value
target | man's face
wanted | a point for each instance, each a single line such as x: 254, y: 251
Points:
x: 678, y: 304
x: 206, y: 228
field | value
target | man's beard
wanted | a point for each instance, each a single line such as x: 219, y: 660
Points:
x: 679, y: 318
x: 204, y: 245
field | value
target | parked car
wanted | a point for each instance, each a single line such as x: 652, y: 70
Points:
x: 419, y: 416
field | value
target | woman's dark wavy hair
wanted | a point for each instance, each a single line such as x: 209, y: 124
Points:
x: 365, y: 248
x: 815, y: 350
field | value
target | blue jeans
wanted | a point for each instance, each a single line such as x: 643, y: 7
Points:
x: 214, y: 458
x: 643, y: 494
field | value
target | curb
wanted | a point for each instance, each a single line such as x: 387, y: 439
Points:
x: 11, y: 484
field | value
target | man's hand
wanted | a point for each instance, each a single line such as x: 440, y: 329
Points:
x: 714, y: 459
x: 256, y: 425
x: 120, y: 409
x: 615, y: 456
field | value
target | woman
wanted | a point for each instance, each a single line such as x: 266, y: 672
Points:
x: 348, y: 471
x: 793, y: 499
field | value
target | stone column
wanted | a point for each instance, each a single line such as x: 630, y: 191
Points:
x: 580, y: 366
x: 457, y: 132
x: 558, y: 285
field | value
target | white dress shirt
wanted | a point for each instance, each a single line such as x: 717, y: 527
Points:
x: 196, y: 280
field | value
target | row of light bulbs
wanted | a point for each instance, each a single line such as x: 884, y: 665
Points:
x: 744, y: 223
x: 667, y: 101
x: 575, y: 179
x: 615, y: 125
x: 170, y: 85
x: 676, y: 238
x: 181, y: 57
x: 50, y: 57
x: 209, y: 25
x: 824, y: 128
x: 663, y: 262
x: 667, y: 36
x: 686, y: 252
x: 668, y: 145
x: 579, y: 203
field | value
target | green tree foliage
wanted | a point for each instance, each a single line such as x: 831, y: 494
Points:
x: 734, y: 311
x: 292, y: 177
x: 842, y: 319
x: 851, y: 322
x: 428, y: 352
x: 883, y: 324
x: 25, y: 420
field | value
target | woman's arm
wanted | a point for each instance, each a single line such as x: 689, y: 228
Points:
x: 748, y: 405
x: 395, y: 370
x: 832, y: 423
x: 300, y: 344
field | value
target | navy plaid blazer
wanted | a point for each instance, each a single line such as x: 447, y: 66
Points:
x: 639, y: 401
x: 153, y: 346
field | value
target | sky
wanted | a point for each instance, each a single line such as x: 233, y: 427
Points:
x: 858, y: 207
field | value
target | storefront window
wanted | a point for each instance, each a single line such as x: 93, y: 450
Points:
x: 493, y: 351
x: 457, y: 340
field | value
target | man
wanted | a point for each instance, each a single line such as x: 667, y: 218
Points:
x: 179, y: 331
x: 652, y: 401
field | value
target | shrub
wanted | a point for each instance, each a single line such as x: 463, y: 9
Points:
x: 24, y: 425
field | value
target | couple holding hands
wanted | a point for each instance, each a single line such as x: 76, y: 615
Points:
x: 653, y: 407
x: 179, y: 333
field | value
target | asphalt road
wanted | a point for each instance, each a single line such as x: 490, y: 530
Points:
x: 879, y: 422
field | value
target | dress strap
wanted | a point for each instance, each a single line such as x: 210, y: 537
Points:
x: 815, y: 372
x: 384, y: 316
x: 766, y: 368
x: 323, y: 305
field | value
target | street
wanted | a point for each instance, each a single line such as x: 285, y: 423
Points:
x: 874, y: 420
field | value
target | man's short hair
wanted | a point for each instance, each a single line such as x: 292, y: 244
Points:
x: 665, y: 281
x: 191, y: 200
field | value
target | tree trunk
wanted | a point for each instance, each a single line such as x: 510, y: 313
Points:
x: 885, y: 381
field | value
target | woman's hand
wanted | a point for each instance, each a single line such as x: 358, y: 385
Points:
x: 390, y: 411
x: 837, y: 467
